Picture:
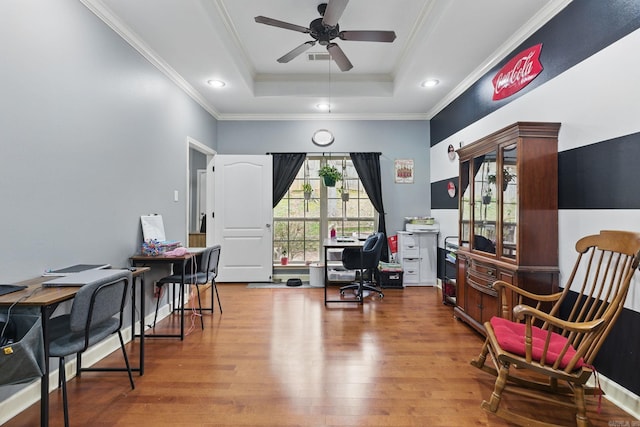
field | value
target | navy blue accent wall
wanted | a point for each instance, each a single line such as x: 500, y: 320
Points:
x: 440, y: 196
x: 620, y: 355
x: 600, y: 176
x: 604, y: 175
x: 583, y: 28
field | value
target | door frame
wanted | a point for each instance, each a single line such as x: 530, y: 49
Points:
x: 196, y: 145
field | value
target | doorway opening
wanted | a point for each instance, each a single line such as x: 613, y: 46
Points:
x: 199, y: 200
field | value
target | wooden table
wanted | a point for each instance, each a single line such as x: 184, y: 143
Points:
x: 138, y: 273
x: 340, y: 244
x: 47, y: 300
x: 147, y: 261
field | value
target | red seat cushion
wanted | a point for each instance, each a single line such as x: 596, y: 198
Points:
x: 511, y: 336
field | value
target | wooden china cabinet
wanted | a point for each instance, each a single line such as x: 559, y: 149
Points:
x: 508, y: 224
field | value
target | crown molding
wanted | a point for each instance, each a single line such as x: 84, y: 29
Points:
x: 533, y: 25
x: 324, y: 117
x: 99, y: 9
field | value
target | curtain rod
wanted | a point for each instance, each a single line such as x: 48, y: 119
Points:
x: 330, y: 153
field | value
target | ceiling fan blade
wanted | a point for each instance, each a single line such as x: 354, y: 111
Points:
x: 334, y: 11
x: 368, y: 36
x: 295, y: 52
x: 339, y: 57
x: 281, y: 24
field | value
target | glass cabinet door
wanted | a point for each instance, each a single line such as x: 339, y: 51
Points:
x: 485, y: 212
x: 465, y: 205
x: 509, y: 201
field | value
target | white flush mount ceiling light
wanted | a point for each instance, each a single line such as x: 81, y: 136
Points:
x: 216, y: 83
x: 429, y: 83
x: 323, y: 106
x: 322, y: 137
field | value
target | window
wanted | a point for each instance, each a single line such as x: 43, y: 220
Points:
x: 300, y: 224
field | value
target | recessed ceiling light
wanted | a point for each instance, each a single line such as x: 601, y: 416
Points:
x: 323, y: 106
x: 429, y: 83
x: 216, y: 83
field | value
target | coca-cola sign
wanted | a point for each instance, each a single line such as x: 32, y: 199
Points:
x: 517, y: 73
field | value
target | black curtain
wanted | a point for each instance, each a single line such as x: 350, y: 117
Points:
x: 368, y: 167
x: 285, y: 169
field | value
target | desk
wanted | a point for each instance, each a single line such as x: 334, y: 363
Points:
x: 47, y: 299
x: 335, y: 244
x: 146, y: 261
x: 139, y: 272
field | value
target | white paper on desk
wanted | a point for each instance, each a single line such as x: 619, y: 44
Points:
x: 152, y: 227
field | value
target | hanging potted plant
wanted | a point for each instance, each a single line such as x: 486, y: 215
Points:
x: 486, y: 196
x: 344, y: 194
x: 308, y: 190
x: 330, y: 175
x: 284, y: 260
x: 507, y: 177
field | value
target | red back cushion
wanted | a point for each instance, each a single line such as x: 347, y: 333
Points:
x: 511, y: 336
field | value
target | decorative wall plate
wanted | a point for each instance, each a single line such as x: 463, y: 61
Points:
x: 322, y: 137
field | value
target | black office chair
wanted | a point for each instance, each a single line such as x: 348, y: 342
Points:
x: 96, y: 314
x: 365, y: 260
x: 205, y: 271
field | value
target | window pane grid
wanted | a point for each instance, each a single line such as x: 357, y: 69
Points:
x: 302, y: 221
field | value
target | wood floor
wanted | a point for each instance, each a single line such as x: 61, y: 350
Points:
x: 278, y: 357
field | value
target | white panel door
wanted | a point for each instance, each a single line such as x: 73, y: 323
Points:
x: 243, y: 214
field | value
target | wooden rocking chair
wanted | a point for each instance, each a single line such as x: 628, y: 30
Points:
x: 554, y: 352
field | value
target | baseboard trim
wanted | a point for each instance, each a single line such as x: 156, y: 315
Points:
x: 30, y: 394
x: 619, y: 396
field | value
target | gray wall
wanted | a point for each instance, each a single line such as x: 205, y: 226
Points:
x: 394, y: 139
x: 92, y: 137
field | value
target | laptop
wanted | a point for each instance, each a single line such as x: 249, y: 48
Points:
x: 75, y: 269
x: 7, y: 289
x: 81, y: 278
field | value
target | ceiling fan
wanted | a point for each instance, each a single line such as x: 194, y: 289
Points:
x: 324, y: 30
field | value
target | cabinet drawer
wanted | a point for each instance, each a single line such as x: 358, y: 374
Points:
x: 411, y: 276
x: 410, y: 251
x: 409, y: 247
x: 482, y: 272
x: 483, y: 287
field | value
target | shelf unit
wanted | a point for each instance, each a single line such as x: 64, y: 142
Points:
x: 449, y: 282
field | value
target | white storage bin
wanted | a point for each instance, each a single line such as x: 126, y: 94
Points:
x: 316, y: 274
x: 334, y: 254
x: 342, y: 275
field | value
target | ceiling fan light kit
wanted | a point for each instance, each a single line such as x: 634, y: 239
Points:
x: 324, y: 30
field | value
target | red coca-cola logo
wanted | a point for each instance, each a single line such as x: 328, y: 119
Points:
x: 517, y: 73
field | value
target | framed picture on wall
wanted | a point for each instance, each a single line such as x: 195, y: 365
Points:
x: 404, y: 171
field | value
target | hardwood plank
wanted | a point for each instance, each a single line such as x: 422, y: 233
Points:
x: 278, y: 357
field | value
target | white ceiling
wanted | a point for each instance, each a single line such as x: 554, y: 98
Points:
x: 453, y: 41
